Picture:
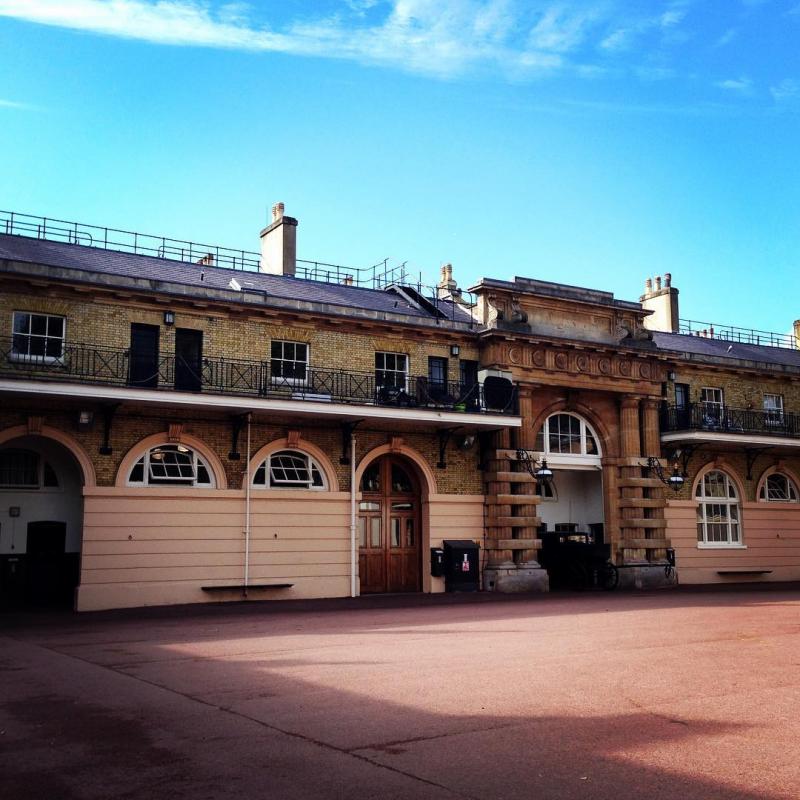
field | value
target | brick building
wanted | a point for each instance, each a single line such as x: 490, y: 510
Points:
x: 183, y: 423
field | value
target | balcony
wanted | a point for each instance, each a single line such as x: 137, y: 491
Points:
x: 713, y: 420
x: 114, y: 367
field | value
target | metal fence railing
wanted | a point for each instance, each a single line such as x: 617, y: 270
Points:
x: 108, y: 366
x: 712, y: 417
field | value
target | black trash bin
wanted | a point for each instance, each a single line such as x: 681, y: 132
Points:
x: 461, y: 565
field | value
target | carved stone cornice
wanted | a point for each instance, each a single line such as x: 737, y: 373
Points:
x: 522, y: 357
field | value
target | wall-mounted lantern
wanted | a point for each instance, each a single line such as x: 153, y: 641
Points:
x: 675, y: 481
x: 454, y: 349
x: 169, y: 317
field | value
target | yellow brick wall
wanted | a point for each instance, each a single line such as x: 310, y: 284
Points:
x: 100, y: 322
x: 131, y: 425
x: 741, y: 389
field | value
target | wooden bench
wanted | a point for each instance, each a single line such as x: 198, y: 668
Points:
x: 744, y: 571
x: 240, y: 587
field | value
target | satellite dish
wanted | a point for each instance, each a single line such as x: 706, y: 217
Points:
x: 235, y: 285
x: 498, y: 393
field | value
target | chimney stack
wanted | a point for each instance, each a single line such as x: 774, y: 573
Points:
x: 663, y: 302
x: 279, y: 244
x: 797, y: 333
x: 447, y: 288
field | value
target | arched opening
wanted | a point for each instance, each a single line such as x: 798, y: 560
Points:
x: 571, y: 509
x: 389, y: 526
x: 41, y: 529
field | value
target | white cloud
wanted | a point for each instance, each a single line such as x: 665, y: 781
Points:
x: 786, y: 93
x: 443, y: 38
x: 743, y: 85
x: 726, y: 37
x: 17, y: 105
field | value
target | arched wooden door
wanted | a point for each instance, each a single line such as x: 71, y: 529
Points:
x: 389, y: 555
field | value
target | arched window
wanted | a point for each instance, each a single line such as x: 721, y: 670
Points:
x: 778, y: 487
x: 289, y: 469
x: 718, y: 518
x: 171, y: 465
x: 25, y: 469
x: 567, y: 434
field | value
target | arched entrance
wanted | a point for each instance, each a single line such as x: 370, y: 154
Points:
x: 389, y: 527
x: 571, y: 508
x: 41, y: 525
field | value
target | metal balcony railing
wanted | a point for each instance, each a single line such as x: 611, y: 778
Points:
x: 712, y: 418
x: 108, y: 366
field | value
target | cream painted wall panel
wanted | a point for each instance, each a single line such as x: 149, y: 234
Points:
x: 205, y: 574
x: 771, y: 533
x: 124, y: 547
x: 105, y: 596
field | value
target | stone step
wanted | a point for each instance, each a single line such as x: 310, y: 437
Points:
x: 644, y: 544
x: 639, y: 522
x: 640, y: 483
x: 514, y: 522
x: 642, y: 502
x: 509, y: 477
x: 513, y: 499
x: 513, y: 544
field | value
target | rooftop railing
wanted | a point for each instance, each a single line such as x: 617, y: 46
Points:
x: 731, y: 333
x: 715, y: 419
x: 379, y: 276
x: 108, y: 366
x: 14, y: 223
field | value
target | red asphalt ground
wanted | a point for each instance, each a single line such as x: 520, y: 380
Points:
x: 676, y: 694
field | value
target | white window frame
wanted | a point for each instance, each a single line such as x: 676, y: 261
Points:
x: 280, y: 380
x: 148, y: 479
x: 381, y: 354
x: 264, y: 476
x: 14, y: 355
x: 584, y: 429
x: 732, y: 520
x: 714, y: 409
x: 773, y: 415
x: 793, y: 495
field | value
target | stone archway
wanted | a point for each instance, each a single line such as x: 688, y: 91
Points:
x: 41, y: 485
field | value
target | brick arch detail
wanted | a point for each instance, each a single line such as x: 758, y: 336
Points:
x: 303, y: 446
x: 429, y: 479
x: 598, y: 426
x: 722, y: 466
x: 72, y: 445
x: 138, y: 450
x: 771, y: 471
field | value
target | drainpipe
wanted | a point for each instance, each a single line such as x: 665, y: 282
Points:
x: 247, y: 513
x: 353, y: 542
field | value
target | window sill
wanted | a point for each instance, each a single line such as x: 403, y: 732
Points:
x: 26, y: 359
x: 720, y: 546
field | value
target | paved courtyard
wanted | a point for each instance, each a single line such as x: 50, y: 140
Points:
x: 681, y: 694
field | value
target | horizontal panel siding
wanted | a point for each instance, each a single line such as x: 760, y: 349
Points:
x: 133, y: 540
x: 771, y: 533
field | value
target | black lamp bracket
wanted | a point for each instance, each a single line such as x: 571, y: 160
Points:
x: 654, y: 465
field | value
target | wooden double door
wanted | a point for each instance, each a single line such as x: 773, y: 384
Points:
x: 389, y: 530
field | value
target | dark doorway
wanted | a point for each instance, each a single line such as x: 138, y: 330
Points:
x: 143, y: 363
x: 52, y: 573
x: 389, y: 528
x: 188, y: 360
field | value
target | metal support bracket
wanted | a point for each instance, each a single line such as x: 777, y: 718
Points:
x: 105, y: 448
x: 347, y: 432
x: 444, y: 435
x: 751, y: 454
x: 237, y: 423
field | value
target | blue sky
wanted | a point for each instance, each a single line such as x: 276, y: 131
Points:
x: 592, y: 143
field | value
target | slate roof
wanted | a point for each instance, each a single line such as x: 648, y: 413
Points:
x: 111, y: 262
x: 727, y: 350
